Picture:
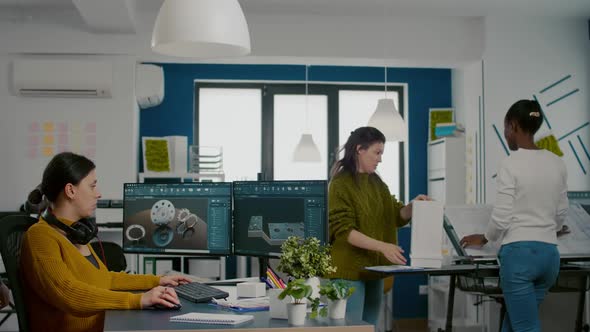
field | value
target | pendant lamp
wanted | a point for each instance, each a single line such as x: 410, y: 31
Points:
x: 201, y: 29
x: 388, y: 120
x: 306, y: 150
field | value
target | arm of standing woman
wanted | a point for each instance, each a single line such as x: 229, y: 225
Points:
x: 500, y: 219
x: 392, y: 252
x: 406, y: 211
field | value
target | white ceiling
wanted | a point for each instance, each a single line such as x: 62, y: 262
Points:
x: 36, y: 3
x: 578, y: 8
x: 127, y: 25
x: 554, y: 8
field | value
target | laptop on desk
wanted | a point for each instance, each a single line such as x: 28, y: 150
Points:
x: 467, y: 255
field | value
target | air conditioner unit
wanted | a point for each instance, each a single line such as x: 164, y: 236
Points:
x: 62, y: 78
x: 149, y: 85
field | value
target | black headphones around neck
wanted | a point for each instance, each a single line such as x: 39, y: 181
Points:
x: 80, y: 232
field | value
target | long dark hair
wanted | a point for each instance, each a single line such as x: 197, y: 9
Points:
x: 64, y: 168
x: 363, y: 137
x: 527, y: 114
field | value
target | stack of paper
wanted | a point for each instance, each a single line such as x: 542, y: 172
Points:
x: 244, y: 305
x: 427, y: 234
x: 217, y: 319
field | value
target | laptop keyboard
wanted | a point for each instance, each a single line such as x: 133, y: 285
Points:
x: 197, y: 292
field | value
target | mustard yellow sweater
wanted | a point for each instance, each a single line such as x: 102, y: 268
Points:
x: 64, y: 291
x: 368, y: 207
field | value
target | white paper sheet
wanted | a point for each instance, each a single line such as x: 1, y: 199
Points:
x: 427, y: 234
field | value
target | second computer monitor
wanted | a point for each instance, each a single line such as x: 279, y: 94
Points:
x: 266, y: 213
x: 180, y: 218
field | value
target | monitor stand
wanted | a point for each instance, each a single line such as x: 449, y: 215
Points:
x: 262, y: 266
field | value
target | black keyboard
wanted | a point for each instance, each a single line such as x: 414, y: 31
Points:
x: 197, y: 292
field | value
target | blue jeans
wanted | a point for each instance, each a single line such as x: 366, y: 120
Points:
x: 365, y: 302
x: 527, y: 270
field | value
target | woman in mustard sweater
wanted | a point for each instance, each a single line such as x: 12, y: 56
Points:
x: 364, y: 218
x: 67, y: 287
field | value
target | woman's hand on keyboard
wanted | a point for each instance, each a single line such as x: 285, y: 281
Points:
x: 165, y: 296
x: 174, y: 280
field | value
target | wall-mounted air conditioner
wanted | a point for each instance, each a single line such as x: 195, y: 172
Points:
x: 62, y: 78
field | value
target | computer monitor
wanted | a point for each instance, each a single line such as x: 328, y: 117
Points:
x: 177, y: 218
x: 266, y: 213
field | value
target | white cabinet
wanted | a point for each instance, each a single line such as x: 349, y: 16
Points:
x: 446, y: 170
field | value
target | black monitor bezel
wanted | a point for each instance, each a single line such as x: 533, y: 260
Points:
x: 276, y: 254
x: 229, y: 252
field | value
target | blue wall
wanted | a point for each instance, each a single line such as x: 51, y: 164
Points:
x: 427, y: 88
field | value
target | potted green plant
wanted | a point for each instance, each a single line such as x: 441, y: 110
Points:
x: 306, y: 259
x: 298, y: 291
x: 337, y: 292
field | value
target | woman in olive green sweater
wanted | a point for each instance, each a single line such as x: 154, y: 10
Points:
x: 364, y: 218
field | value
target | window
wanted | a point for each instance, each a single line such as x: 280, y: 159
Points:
x: 356, y: 107
x: 291, y: 119
x: 231, y: 118
x: 267, y: 121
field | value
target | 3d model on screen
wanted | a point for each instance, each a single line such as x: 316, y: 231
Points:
x: 186, y: 223
x: 277, y: 232
x: 162, y: 212
x: 135, y: 232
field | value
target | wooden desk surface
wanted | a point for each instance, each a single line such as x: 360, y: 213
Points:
x: 158, y: 320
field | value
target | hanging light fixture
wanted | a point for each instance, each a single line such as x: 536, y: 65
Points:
x: 306, y: 150
x: 388, y: 120
x: 386, y: 117
x: 201, y: 29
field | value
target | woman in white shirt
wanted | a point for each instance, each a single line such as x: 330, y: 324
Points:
x: 531, y: 206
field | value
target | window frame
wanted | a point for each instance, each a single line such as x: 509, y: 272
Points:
x: 329, y: 89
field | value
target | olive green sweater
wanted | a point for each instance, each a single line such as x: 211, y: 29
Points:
x: 368, y: 207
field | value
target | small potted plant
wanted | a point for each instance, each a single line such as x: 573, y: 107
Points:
x: 306, y: 259
x: 337, y: 292
x: 298, y: 291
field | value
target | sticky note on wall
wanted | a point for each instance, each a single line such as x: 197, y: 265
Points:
x: 156, y: 156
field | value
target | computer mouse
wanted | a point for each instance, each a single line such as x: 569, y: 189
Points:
x: 163, y: 307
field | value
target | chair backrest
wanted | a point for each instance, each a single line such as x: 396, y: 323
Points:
x: 12, y: 229
x: 113, y: 253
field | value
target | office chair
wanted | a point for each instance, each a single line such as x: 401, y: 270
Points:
x: 115, y: 258
x: 12, y: 229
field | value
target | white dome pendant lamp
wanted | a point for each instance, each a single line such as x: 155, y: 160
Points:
x: 388, y: 120
x: 201, y: 29
x: 306, y: 150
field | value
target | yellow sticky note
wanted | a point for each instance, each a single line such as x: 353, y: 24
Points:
x: 47, y: 151
x: 157, y: 155
x: 48, y: 126
x: 48, y: 139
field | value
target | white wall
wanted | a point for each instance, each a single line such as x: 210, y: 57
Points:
x: 426, y: 40
x: 522, y: 56
x: 467, y: 101
x: 116, y: 122
x: 360, y: 40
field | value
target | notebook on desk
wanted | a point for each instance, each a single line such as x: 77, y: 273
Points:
x: 216, y: 319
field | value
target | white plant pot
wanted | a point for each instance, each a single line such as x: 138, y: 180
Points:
x: 314, y: 282
x: 296, y: 313
x: 277, y: 308
x: 337, y: 309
